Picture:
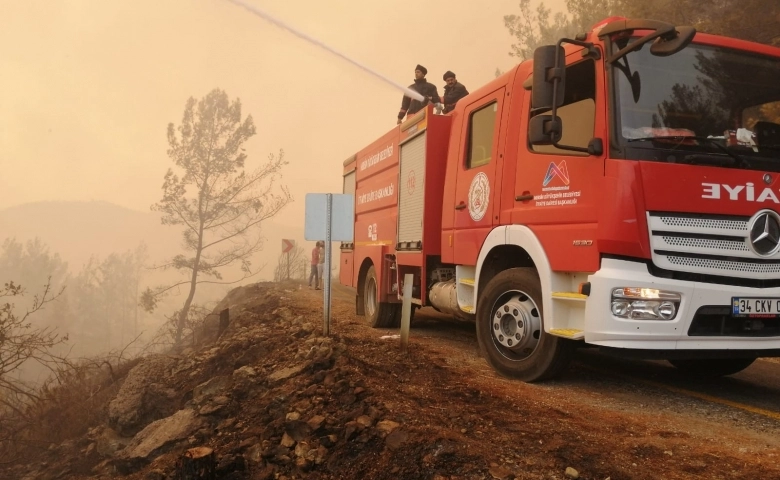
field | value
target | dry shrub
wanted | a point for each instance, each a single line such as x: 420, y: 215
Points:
x: 71, y: 402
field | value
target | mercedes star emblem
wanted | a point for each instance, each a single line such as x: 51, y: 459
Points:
x: 765, y: 233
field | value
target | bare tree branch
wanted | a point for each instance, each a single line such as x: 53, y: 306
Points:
x: 215, y: 199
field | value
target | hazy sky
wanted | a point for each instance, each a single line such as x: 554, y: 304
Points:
x: 88, y: 87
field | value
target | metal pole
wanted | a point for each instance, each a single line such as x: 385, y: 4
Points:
x: 406, y: 311
x: 288, y: 266
x: 326, y: 269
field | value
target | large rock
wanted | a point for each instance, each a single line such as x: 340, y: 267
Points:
x: 285, y: 373
x: 208, y: 389
x: 144, y: 396
x: 108, y: 442
x: 157, y: 435
x: 247, y: 298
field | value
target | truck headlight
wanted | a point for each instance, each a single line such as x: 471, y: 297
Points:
x: 644, y: 303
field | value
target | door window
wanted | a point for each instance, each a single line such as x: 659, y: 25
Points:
x: 482, y: 128
x: 578, y: 112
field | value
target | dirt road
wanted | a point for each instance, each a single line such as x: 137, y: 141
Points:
x: 609, y: 417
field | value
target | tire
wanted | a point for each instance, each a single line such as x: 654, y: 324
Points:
x: 711, y: 368
x: 510, y: 329
x: 378, y: 314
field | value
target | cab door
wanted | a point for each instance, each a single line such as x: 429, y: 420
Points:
x: 477, y: 193
x: 557, y: 192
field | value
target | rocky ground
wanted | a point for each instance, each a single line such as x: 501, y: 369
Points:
x: 273, y: 398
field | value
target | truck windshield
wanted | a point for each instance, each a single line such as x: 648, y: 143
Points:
x: 703, y: 105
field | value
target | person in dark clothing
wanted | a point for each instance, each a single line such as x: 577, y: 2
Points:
x: 421, y: 86
x: 453, y: 92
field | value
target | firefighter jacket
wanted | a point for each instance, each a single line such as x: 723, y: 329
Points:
x: 453, y: 93
x: 421, y: 86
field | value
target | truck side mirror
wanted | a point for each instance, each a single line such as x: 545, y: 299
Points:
x: 549, y: 81
x: 548, y: 130
x: 664, y: 47
x: 549, y: 65
x: 544, y: 130
x: 667, y: 39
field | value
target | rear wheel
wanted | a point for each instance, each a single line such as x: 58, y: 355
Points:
x: 378, y: 314
x: 510, y: 329
x: 710, y: 368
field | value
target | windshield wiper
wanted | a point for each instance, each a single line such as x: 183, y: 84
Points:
x: 740, y: 160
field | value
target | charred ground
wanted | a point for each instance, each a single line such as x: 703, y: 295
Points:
x: 275, y: 399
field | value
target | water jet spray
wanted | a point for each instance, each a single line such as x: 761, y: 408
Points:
x: 407, y: 91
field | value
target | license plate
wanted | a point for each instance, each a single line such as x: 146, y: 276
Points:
x: 755, y: 307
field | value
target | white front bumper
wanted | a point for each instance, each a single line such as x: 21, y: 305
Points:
x: 603, y: 328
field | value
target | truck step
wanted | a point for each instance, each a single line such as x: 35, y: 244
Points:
x: 468, y: 308
x: 571, y: 296
x: 467, y: 281
x: 571, y: 333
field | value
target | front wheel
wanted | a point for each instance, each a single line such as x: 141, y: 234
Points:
x: 378, y: 314
x: 710, y: 368
x: 510, y: 328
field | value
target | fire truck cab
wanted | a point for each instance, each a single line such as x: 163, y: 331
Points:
x: 621, y: 190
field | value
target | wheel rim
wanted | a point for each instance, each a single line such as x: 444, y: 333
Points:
x: 515, y: 325
x: 371, y: 303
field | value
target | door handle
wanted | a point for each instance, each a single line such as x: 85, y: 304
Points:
x: 524, y: 197
x: 460, y: 206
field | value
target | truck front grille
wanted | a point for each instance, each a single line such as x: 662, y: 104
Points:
x: 700, y: 222
x: 712, y: 245
x: 714, y: 264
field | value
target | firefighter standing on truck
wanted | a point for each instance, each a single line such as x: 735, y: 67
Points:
x: 453, y: 91
x: 421, y: 86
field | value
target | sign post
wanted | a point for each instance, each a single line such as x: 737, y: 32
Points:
x: 331, y: 217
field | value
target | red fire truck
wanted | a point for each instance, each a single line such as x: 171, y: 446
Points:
x: 621, y: 191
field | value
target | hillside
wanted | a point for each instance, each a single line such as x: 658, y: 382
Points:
x: 77, y: 230
x: 272, y: 398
